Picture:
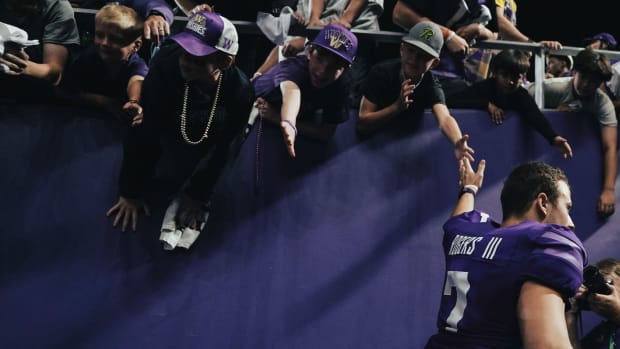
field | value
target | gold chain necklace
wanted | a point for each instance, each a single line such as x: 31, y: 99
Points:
x: 205, y: 135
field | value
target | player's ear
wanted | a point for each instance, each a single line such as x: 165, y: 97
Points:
x: 435, y: 62
x: 542, y: 204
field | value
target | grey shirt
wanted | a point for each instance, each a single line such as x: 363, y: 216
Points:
x: 560, y: 91
x: 367, y: 20
x: 56, y: 25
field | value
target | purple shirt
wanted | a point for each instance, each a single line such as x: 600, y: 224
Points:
x: 487, y: 265
x: 88, y: 74
x: 146, y: 7
x: 332, y: 99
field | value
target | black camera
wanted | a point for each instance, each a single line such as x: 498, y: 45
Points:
x: 596, y: 282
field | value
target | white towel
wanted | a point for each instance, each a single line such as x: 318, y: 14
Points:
x: 172, y: 236
x: 276, y: 28
x: 9, y: 33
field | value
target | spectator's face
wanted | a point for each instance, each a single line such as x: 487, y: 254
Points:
x: 324, y: 67
x: 586, y: 85
x: 203, y: 68
x: 111, y: 44
x: 507, y: 82
x: 598, y: 45
x: 555, y: 66
x: 558, y: 212
x: 415, y: 62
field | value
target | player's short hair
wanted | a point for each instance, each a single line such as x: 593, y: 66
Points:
x: 514, y: 62
x: 611, y: 265
x: 524, y: 184
x: 130, y: 23
x: 594, y: 64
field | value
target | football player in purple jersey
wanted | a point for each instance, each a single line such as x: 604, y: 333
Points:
x: 507, y: 283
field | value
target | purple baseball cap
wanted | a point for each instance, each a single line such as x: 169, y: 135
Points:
x: 338, y: 40
x: 611, y: 41
x: 206, y: 33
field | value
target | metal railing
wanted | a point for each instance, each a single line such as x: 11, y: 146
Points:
x: 538, y: 50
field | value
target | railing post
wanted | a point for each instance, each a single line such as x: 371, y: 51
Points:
x: 539, y: 76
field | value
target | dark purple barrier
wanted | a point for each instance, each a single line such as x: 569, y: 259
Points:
x: 339, y: 248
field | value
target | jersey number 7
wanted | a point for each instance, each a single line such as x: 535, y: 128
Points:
x: 456, y: 280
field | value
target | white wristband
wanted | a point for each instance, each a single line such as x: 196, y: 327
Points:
x: 469, y: 188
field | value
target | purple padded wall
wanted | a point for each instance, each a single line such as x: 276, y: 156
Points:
x: 338, y: 248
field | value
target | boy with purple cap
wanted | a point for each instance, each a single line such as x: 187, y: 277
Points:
x: 195, y: 103
x: 406, y: 87
x: 291, y: 92
x: 601, y: 41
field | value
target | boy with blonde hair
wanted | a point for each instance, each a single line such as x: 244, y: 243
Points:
x: 114, y: 69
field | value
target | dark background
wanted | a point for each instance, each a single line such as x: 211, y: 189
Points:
x: 552, y: 19
x: 566, y: 22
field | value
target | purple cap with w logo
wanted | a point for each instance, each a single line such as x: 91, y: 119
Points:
x: 338, y: 40
x: 206, y: 33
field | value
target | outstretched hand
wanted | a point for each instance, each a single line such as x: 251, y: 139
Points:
x: 467, y: 174
x: 127, y: 211
x: 289, y: 132
x: 606, y: 203
x: 496, y: 113
x: 462, y: 150
x: 561, y: 144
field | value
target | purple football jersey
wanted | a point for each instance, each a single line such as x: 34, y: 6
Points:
x: 486, y: 265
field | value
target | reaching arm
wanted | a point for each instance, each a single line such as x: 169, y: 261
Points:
x: 270, y: 61
x: 146, y: 8
x: 132, y: 107
x: 450, y: 128
x: 315, y: 13
x: 405, y: 17
x: 54, y: 59
x: 506, y: 29
x: 468, y: 178
x: 134, y: 87
x: 607, y: 200
x: 529, y: 111
x: 351, y: 12
x: 291, y: 103
x: 541, y: 317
